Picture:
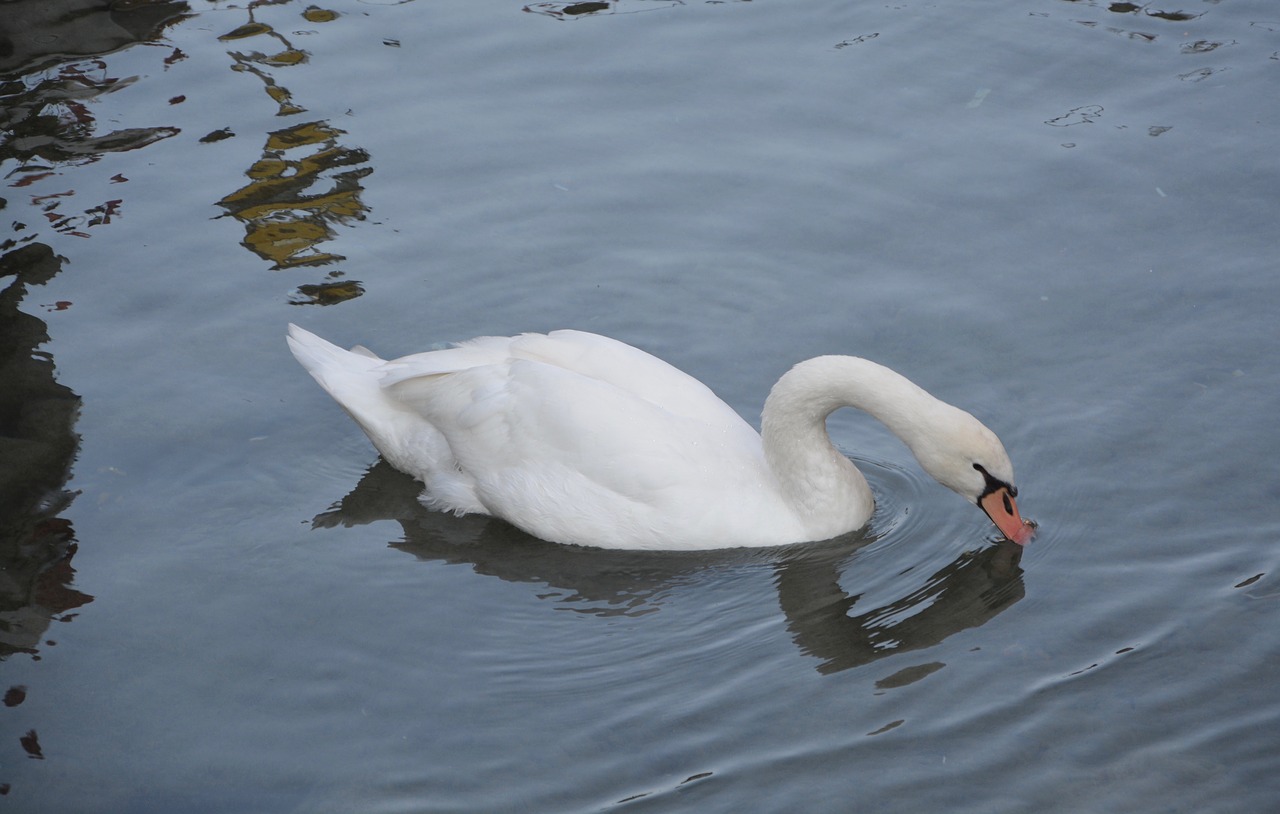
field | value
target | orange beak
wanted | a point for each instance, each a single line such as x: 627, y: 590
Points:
x: 1003, y: 511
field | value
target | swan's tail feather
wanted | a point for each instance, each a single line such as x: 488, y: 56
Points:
x: 349, y: 376
x: 325, y: 360
x: 357, y: 380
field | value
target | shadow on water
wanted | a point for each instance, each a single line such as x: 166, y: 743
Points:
x: 966, y: 593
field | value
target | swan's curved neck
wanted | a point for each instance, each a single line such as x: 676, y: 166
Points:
x: 817, y: 478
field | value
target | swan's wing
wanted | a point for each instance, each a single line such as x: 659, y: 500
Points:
x: 629, y: 369
x: 523, y: 413
x: 573, y: 458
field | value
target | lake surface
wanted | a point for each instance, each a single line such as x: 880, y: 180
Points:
x: 1061, y: 216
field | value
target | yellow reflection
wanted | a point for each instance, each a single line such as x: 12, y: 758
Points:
x: 319, y: 15
x: 258, y: 63
x: 285, y: 217
x: 306, y: 181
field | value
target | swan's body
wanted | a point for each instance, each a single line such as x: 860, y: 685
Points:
x: 577, y: 438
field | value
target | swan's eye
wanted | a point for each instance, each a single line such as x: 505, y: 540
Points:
x: 994, y: 483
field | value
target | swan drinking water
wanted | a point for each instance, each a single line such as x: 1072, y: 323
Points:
x: 577, y: 438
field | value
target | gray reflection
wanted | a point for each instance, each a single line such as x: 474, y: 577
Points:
x: 37, y: 447
x: 967, y: 593
x: 49, y: 81
x: 38, y: 33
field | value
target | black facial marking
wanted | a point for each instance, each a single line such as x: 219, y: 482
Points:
x: 994, y: 483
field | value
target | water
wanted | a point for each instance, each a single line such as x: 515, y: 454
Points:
x: 1058, y: 215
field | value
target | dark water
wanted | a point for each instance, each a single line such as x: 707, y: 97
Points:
x: 1058, y: 215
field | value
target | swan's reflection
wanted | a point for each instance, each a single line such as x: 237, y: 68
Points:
x: 968, y: 592
x: 820, y: 615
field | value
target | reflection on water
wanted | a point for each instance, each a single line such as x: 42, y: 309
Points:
x: 571, y: 10
x: 50, y: 121
x: 1146, y: 10
x: 37, y: 447
x: 306, y: 180
x: 46, y: 119
x: 1141, y: 13
x: 258, y: 63
x: 285, y: 220
x: 35, y: 34
x: 304, y: 184
x: 967, y: 593
x: 563, y: 10
x: 598, y: 582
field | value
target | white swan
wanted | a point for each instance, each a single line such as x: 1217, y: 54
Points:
x: 577, y: 438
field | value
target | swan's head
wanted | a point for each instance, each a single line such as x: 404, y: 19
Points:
x: 969, y: 459
x: 951, y: 445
